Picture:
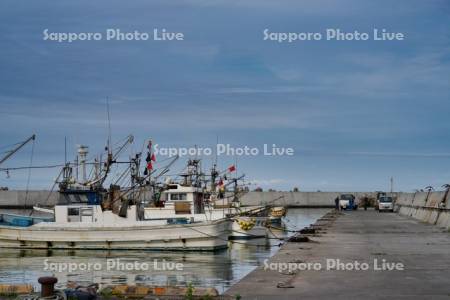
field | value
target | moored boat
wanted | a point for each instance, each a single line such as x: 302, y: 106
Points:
x: 246, y: 228
x: 186, y: 202
x: 276, y: 214
x: 88, y: 216
x: 89, y: 227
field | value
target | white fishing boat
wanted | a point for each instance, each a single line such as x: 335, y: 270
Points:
x: 246, y: 228
x: 179, y: 202
x: 84, y: 226
x: 88, y: 216
x: 276, y: 214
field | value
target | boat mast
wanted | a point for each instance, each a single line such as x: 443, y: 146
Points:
x: 17, y: 148
x: 214, y: 172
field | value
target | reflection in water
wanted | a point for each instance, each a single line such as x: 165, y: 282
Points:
x: 220, y: 270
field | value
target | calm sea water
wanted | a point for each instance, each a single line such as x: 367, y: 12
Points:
x: 220, y: 270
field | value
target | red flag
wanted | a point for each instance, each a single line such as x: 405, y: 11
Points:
x: 232, y: 169
x: 153, y: 157
x: 149, y: 166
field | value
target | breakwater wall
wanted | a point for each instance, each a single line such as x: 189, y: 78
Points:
x: 429, y: 207
x: 298, y: 199
x: 432, y: 208
x: 24, y: 199
x: 19, y: 199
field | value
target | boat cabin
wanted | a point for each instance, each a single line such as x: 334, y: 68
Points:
x: 85, y: 213
x: 183, y: 199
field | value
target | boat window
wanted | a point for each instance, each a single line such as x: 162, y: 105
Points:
x: 178, y: 196
x: 87, y: 214
x: 80, y: 214
x: 87, y: 211
x: 73, y: 211
x: 73, y: 214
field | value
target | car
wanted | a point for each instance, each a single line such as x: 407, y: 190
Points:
x: 379, y: 195
x: 385, y: 203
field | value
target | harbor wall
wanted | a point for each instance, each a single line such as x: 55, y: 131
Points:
x: 24, y: 199
x: 432, y: 208
x: 19, y: 199
x: 299, y: 199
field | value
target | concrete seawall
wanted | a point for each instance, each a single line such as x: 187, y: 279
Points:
x: 23, y: 199
x: 17, y: 199
x: 298, y: 199
x: 432, y: 208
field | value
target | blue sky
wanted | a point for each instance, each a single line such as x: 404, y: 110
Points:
x: 356, y: 113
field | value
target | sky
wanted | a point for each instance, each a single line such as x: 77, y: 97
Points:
x: 356, y: 113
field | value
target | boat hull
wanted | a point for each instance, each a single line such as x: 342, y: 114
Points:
x: 257, y: 231
x: 208, y: 236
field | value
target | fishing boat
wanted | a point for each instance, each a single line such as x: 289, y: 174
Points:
x: 89, y: 216
x: 193, y: 199
x: 276, y: 214
x: 85, y: 226
x: 246, y: 228
x: 181, y: 203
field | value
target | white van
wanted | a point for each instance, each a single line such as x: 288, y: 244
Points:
x: 385, y: 203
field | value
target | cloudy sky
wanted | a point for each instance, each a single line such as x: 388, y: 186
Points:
x: 355, y: 112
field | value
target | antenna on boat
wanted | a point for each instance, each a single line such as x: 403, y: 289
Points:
x: 65, y: 150
x: 109, y: 159
x: 214, y: 172
x: 109, y: 125
x: 217, y: 144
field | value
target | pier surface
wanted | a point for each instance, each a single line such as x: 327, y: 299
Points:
x: 361, y: 236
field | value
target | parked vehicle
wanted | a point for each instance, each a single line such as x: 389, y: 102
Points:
x: 347, y: 202
x: 385, y: 203
x: 379, y: 195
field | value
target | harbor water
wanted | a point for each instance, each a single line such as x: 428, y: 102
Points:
x: 219, y: 270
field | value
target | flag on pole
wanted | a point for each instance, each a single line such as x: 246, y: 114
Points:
x: 232, y: 169
x: 221, y: 188
x: 150, y: 158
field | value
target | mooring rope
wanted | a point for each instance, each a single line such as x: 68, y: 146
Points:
x: 58, y: 295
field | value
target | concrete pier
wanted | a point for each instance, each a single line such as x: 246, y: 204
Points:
x: 363, y: 237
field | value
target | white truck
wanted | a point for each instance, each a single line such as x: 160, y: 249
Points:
x: 347, y: 202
